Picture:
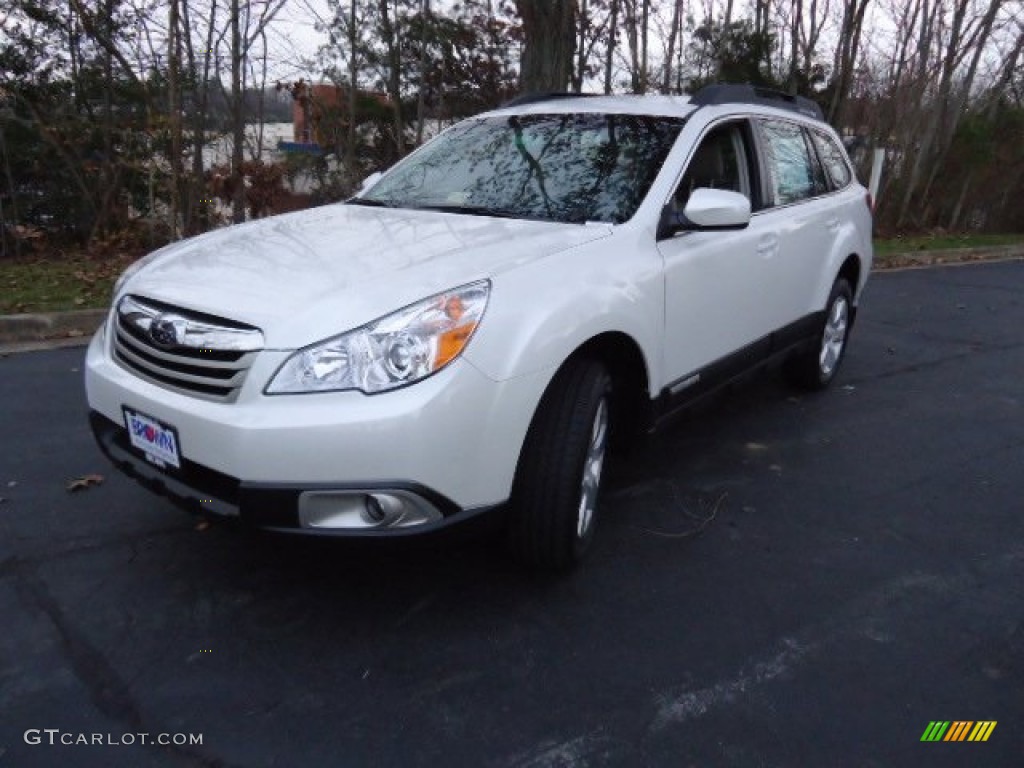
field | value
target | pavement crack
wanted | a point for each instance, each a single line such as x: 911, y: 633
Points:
x: 110, y: 694
x: 977, y: 349
x: 14, y: 563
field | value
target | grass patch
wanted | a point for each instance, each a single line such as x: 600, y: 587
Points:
x: 942, y: 242
x: 44, y: 285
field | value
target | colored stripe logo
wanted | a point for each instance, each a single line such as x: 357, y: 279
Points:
x: 958, y: 730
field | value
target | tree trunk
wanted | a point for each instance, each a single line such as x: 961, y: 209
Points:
x: 194, y: 220
x: 420, y: 103
x: 610, y: 52
x: 632, y: 23
x: 954, y: 219
x: 174, y: 111
x: 846, y: 55
x: 645, y: 16
x: 390, y: 33
x: 353, y: 86
x: 794, y: 32
x: 809, y: 41
x: 670, y: 49
x: 548, y: 31
x: 931, y: 139
x: 237, y: 118
x: 579, y: 71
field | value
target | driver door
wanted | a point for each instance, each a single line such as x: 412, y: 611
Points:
x: 717, y: 321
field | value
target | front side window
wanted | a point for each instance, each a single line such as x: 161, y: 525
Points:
x: 561, y: 167
x: 719, y: 162
x: 791, y: 172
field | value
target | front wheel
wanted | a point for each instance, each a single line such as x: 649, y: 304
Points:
x: 816, y: 367
x: 555, y: 495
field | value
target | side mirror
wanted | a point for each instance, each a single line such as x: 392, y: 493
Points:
x: 707, y: 209
x: 369, y: 181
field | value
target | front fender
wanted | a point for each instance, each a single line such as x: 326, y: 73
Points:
x: 541, y: 313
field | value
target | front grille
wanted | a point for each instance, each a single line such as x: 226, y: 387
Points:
x: 190, y: 352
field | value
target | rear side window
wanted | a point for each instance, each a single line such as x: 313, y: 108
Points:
x: 832, y: 157
x: 792, y: 174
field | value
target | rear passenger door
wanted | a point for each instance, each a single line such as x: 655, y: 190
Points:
x: 803, y: 216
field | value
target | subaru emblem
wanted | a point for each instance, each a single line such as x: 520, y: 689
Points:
x: 167, y: 331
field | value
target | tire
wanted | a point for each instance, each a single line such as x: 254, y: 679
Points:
x: 816, y: 367
x: 558, y: 480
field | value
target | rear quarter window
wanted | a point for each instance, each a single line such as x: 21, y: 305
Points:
x: 833, y: 159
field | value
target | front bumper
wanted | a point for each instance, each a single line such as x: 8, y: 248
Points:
x: 452, y: 440
x: 202, y: 490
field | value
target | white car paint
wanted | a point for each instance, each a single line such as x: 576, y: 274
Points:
x: 336, y: 267
x: 685, y: 302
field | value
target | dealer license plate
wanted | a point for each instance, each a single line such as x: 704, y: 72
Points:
x: 157, y: 440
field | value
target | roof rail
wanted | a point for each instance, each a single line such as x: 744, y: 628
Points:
x: 532, y: 98
x: 723, y: 93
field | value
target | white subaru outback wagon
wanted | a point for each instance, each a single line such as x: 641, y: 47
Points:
x: 466, y: 332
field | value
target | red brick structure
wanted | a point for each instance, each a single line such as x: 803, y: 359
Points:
x: 316, y: 107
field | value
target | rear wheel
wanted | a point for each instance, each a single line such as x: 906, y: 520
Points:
x: 558, y: 482
x: 816, y: 367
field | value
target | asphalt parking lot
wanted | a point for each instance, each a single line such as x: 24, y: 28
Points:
x: 779, y: 580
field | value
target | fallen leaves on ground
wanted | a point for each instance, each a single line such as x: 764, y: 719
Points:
x: 84, y: 482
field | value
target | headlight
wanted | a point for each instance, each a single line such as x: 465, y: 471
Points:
x: 393, y: 351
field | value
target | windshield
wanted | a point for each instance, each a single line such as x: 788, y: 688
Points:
x: 567, y: 168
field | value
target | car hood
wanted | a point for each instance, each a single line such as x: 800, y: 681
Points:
x: 305, y: 276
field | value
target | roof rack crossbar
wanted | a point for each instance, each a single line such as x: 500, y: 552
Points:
x: 537, y: 96
x: 722, y: 93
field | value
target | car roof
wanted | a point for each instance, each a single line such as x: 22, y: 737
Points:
x: 655, y: 105
x: 718, y: 94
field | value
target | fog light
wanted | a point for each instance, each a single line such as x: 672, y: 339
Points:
x: 382, y: 509
x: 364, y: 509
x: 374, y: 510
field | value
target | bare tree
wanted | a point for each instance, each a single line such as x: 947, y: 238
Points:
x: 174, y: 111
x: 674, y: 38
x: 237, y: 117
x: 200, y: 66
x: 796, y: 22
x: 353, y: 87
x: 421, y: 94
x: 966, y: 36
x: 810, y: 27
x: 613, y: 30
x: 637, y: 20
x: 846, y: 55
x: 390, y: 32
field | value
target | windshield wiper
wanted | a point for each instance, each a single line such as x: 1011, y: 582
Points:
x: 371, y: 203
x: 471, y: 210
